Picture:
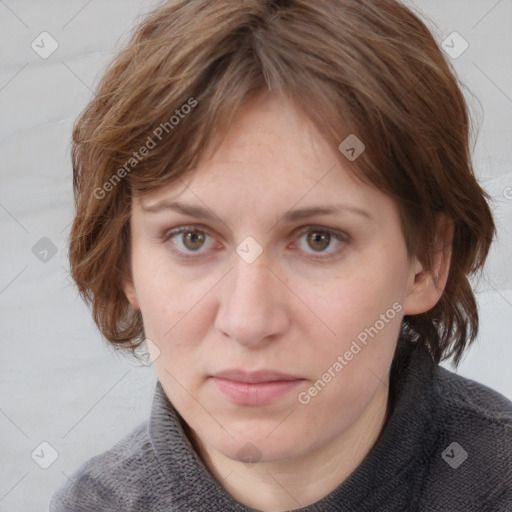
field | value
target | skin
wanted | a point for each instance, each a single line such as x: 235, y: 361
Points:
x: 295, y: 309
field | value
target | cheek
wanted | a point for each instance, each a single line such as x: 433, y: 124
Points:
x: 352, y: 357
x: 174, y: 318
x: 346, y: 306
x: 162, y: 304
x: 351, y: 365
x: 165, y: 296
x: 176, y: 323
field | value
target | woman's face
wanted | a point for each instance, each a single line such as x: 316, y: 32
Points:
x: 272, y: 286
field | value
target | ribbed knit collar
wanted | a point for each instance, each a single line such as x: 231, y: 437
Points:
x: 389, y: 465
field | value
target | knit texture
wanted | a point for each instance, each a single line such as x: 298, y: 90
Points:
x: 414, y: 466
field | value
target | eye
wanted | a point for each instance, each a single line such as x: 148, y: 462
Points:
x: 318, y: 240
x: 321, y: 241
x: 193, y: 240
x: 186, y: 240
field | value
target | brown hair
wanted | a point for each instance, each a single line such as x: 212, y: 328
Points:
x: 364, y: 67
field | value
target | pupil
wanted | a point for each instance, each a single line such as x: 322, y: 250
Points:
x: 194, y: 240
x: 319, y: 240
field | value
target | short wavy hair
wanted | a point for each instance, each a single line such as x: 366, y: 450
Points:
x: 365, y: 67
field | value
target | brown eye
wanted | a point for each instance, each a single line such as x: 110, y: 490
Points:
x: 190, y: 243
x: 321, y: 244
x: 318, y: 240
x: 193, y: 240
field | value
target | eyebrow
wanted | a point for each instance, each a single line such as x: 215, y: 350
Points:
x: 289, y: 216
x: 302, y: 213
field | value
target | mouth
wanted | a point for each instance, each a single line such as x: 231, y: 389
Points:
x: 255, y: 388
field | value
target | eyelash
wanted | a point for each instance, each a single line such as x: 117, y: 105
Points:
x: 340, y: 236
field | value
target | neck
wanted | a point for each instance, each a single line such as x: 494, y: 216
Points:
x: 283, y: 485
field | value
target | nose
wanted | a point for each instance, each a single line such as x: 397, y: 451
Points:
x: 253, y: 308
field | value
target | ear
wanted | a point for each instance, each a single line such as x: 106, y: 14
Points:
x: 131, y: 294
x: 427, y: 284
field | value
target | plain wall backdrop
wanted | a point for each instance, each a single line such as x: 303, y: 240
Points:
x: 61, y: 385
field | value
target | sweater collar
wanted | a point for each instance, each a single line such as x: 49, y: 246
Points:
x: 406, y: 435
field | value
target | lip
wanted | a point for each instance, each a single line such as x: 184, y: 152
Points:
x: 255, y: 388
x: 255, y: 377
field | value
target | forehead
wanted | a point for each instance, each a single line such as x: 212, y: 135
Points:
x: 269, y: 127
x: 271, y: 159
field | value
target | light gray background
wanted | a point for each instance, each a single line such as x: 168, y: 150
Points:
x: 60, y: 383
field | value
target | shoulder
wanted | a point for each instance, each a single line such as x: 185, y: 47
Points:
x: 115, y: 480
x: 466, y: 400
x: 472, y: 455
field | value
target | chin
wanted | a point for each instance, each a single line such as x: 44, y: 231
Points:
x: 252, y: 451
x: 266, y: 441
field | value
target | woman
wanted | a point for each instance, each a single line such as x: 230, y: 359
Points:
x: 278, y: 198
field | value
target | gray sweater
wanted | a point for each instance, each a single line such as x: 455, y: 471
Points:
x: 446, y: 447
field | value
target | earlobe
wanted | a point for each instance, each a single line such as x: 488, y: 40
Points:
x: 427, y: 285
